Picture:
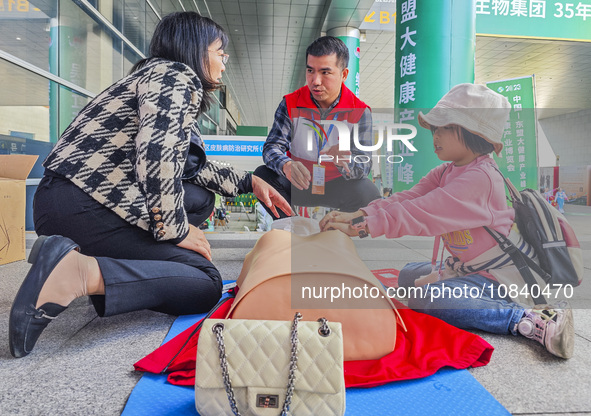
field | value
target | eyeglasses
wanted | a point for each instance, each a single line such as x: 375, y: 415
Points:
x: 224, y: 56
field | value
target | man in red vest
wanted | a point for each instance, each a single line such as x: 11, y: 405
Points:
x: 303, y: 159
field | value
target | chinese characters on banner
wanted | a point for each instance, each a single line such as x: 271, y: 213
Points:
x: 535, y: 8
x: 519, y: 159
x: 233, y: 148
x: 19, y: 6
x: 426, y: 34
x: 550, y: 19
x: 405, y: 172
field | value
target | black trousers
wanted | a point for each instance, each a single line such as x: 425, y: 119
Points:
x: 346, y: 195
x: 139, y: 272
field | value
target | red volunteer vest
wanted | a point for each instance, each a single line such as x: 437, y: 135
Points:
x: 304, y: 114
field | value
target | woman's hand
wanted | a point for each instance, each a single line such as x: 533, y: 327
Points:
x: 270, y: 197
x: 336, y: 220
x: 196, y: 241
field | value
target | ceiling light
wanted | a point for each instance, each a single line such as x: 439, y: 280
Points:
x: 18, y: 38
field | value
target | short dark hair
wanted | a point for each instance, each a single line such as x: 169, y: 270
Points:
x: 185, y: 37
x: 327, y: 45
x: 477, y: 144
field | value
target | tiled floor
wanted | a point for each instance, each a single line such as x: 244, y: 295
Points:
x: 83, y: 365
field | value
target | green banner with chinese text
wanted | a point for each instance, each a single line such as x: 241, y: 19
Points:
x: 435, y: 46
x: 519, y: 159
x: 543, y: 19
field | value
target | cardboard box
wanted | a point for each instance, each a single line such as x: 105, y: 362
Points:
x: 14, y: 170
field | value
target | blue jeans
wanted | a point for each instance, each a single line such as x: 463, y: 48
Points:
x: 469, y: 302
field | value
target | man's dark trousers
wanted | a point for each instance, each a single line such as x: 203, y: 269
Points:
x: 342, y: 194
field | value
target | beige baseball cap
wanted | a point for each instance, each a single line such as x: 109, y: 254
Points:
x: 477, y: 108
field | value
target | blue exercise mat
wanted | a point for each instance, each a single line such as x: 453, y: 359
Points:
x: 447, y: 392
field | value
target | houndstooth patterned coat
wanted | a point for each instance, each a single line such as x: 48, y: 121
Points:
x: 127, y: 148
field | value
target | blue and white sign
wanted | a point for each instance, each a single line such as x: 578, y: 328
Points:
x: 233, y: 148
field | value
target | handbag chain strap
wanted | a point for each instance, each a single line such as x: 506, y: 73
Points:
x: 218, y: 328
x: 293, y: 360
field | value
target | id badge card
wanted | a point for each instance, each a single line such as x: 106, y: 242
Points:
x: 318, y: 179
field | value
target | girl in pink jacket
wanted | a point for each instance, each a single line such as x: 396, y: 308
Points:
x: 455, y: 201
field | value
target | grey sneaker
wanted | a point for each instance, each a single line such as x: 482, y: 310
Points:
x: 552, y: 326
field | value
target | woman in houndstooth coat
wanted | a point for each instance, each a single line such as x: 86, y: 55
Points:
x: 127, y: 186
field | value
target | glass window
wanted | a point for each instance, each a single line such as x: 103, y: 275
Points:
x: 164, y: 7
x: 33, y: 107
x: 89, y: 55
x: 206, y: 125
x: 190, y: 6
x: 64, y: 106
x: 130, y: 18
x: 134, y: 22
x: 129, y: 59
x: 25, y: 30
x: 24, y: 102
x: 151, y: 22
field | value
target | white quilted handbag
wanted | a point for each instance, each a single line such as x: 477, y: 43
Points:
x: 254, y: 367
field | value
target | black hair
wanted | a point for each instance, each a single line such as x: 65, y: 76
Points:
x: 327, y: 45
x: 185, y: 37
x: 473, y: 142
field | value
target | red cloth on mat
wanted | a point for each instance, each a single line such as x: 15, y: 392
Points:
x: 428, y: 345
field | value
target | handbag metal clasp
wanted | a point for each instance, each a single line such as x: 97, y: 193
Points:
x: 268, y: 401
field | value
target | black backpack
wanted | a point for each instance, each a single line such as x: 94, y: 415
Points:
x: 220, y: 213
x: 551, y: 236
